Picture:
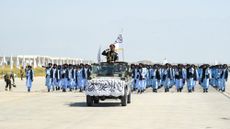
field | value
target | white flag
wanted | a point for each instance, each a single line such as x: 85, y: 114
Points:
x: 35, y: 63
x: 4, y: 61
x: 30, y: 62
x: 44, y: 62
x: 18, y: 63
x: 165, y: 61
x: 39, y: 62
x: 119, y: 39
x: 11, y: 63
x: 24, y: 62
x: 52, y: 61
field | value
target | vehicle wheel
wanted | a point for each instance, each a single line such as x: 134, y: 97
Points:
x: 96, y: 101
x: 89, y: 100
x: 129, y: 98
x: 124, y: 99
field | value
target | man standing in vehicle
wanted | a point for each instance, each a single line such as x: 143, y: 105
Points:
x: 110, y: 54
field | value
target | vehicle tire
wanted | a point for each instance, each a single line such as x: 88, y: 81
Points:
x: 129, y: 98
x: 89, y: 100
x: 124, y: 99
x: 96, y: 101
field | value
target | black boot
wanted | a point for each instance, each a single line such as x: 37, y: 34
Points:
x: 223, y: 90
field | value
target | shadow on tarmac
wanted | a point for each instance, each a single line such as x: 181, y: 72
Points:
x: 103, y: 104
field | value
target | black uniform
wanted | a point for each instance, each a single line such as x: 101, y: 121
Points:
x: 7, y: 79
x: 111, y: 56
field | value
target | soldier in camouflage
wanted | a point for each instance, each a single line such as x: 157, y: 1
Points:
x: 110, y: 54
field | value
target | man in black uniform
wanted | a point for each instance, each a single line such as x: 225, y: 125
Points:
x: 8, y: 81
x: 110, y: 54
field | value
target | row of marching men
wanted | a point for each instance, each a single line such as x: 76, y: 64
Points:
x: 67, y: 77
x: 180, y: 76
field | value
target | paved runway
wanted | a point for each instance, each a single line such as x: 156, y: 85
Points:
x: 57, y: 110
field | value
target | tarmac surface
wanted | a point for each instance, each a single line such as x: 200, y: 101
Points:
x: 57, y: 110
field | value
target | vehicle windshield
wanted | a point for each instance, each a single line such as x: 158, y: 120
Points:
x: 109, y: 69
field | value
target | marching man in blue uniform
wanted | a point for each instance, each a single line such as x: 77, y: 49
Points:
x: 179, y: 76
x: 191, y: 78
x: 29, y: 77
x: 71, y: 77
x: 137, y: 77
x: 222, y: 77
x: 80, y: 77
x: 87, y: 70
x: 54, y: 77
x: 155, y: 77
x: 205, y: 78
x: 74, y: 74
x: 141, y: 79
x: 213, y: 80
x: 58, y: 76
x: 167, y: 76
x: 133, y: 74
x: 64, y: 80
x: 48, y: 77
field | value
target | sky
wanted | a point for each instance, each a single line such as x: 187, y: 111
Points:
x: 183, y: 31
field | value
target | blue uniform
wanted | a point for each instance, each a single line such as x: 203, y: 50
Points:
x: 29, y: 78
x: 142, y: 73
x: 64, y: 80
x: 48, y: 78
x: 144, y: 78
x: 191, y: 79
x: 213, y: 80
x: 56, y: 78
x: 71, y: 76
x: 206, y: 75
x: 133, y: 78
x: 155, y: 75
x: 53, y: 78
x: 136, y: 78
x: 148, y: 79
x: 80, y: 79
x: 222, y: 78
x: 167, y: 76
x: 173, y: 80
x: 179, y: 76
x: 86, y: 75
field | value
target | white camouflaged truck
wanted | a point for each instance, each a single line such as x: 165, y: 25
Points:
x: 109, y: 81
